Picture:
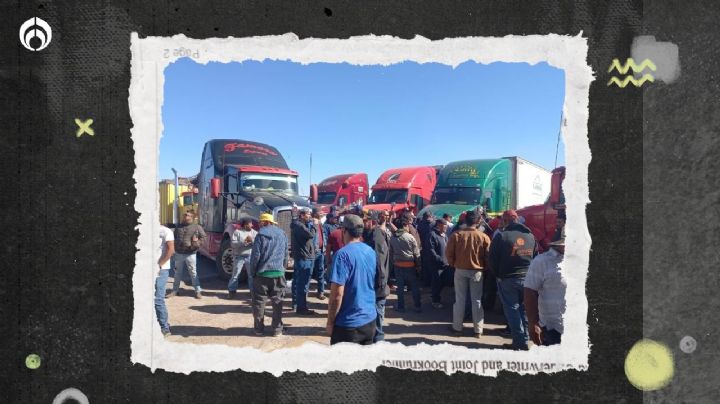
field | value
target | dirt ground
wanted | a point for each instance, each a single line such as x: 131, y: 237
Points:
x: 215, y: 319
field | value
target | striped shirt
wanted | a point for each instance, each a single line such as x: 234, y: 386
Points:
x: 544, y: 276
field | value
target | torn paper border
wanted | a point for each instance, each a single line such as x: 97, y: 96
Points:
x: 150, y: 57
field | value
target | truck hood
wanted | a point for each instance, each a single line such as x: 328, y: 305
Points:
x: 273, y: 200
x: 384, y: 206
x: 453, y: 210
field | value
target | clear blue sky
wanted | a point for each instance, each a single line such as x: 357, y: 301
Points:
x: 362, y: 118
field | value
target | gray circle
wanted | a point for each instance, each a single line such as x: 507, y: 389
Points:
x: 71, y: 393
x: 688, y: 344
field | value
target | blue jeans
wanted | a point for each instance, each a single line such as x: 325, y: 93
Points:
x: 238, y: 262
x: 189, y: 262
x: 160, y: 308
x: 409, y: 276
x: 319, y: 272
x: 380, y: 307
x: 511, y: 295
x: 301, y: 282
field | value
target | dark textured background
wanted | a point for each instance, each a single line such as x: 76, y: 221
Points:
x: 69, y: 241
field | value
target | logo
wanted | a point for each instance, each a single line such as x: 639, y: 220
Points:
x: 464, y: 171
x: 537, y: 186
x: 35, y: 34
x: 630, y: 64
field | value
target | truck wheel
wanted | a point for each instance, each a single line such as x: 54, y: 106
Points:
x: 224, y: 262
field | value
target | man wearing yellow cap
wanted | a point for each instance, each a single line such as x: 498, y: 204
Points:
x: 268, y: 260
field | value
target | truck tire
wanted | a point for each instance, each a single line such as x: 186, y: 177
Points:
x: 224, y: 262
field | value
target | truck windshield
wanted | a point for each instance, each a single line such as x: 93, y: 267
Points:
x: 269, y: 182
x: 326, y: 198
x: 458, y: 196
x: 389, y: 196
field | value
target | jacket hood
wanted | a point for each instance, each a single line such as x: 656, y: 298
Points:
x: 518, y: 227
x: 400, y: 232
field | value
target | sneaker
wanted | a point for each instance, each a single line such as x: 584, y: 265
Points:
x: 454, y: 332
x: 166, y: 333
x: 278, y: 333
x: 231, y: 294
x: 306, y: 312
x: 321, y: 296
x: 438, y: 305
x: 478, y: 335
x: 171, y: 294
x: 198, y: 295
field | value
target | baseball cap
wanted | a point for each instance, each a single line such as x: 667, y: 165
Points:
x: 353, y: 221
x: 267, y: 217
x: 509, y: 215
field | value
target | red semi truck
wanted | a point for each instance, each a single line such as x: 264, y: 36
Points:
x: 340, y: 190
x: 400, y: 188
x: 541, y: 219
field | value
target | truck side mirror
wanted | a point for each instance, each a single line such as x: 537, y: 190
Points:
x: 313, y: 193
x: 215, y: 188
x: 555, y: 189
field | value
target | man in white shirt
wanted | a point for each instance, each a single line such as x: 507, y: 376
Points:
x: 242, y: 242
x: 167, y: 249
x: 544, y: 295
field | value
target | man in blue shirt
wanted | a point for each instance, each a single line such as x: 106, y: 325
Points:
x: 351, y: 311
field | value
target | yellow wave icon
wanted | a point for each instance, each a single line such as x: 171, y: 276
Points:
x: 631, y: 79
x: 630, y: 64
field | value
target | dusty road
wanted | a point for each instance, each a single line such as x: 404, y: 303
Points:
x: 215, y: 319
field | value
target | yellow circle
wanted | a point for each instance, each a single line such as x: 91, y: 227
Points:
x: 32, y: 361
x: 649, y: 365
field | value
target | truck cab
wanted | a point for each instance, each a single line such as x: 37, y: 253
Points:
x: 542, y: 218
x: 341, y: 191
x: 400, y: 188
x: 242, y: 179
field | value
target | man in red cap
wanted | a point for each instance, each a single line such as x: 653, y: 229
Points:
x: 511, y: 252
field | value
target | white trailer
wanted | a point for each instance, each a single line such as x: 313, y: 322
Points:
x: 531, y: 183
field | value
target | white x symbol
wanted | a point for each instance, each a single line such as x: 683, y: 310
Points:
x: 84, y: 127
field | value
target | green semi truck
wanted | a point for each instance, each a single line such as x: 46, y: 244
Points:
x: 495, y: 184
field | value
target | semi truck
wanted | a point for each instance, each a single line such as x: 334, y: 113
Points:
x: 494, y: 184
x: 242, y: 179
x: 542, y: 218
x: 167, y: 197
x: 341, y: 191
x: 400, y: 188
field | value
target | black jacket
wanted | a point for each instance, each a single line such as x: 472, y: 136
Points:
x: 436, y: 251
x: 303, y: 247
x: 382, y: 251
x: 511, y: 251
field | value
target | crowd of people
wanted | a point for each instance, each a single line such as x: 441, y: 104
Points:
x: 361, y: 260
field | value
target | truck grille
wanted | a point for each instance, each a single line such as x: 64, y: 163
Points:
x: 284, y: 219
